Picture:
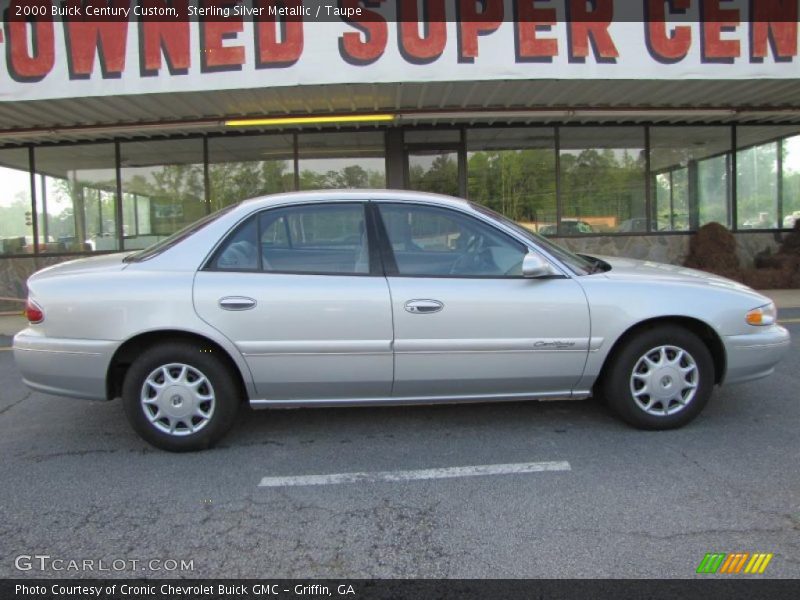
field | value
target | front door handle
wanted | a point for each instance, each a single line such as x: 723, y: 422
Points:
x: 423, y: 307
x: 237, y: 303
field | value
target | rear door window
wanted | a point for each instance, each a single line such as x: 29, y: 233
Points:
x: 319, y: 238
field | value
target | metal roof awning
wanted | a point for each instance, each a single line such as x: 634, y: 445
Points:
x: 762, y: 101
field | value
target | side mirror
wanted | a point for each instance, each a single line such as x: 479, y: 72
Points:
x: 534, y: 266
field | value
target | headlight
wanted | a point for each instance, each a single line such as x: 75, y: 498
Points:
x: 763, y: 315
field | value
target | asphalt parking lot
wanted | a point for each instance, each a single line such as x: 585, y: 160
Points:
x: 78, y: 484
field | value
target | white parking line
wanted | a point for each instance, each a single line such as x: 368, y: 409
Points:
x: 445, y: 473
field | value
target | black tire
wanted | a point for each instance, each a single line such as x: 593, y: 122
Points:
x: 618, y: 381
x: 220, y: 384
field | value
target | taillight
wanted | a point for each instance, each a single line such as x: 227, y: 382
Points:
x: 33, y: 312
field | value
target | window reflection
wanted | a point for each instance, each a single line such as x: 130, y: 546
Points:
x: 602, y: 180
x: 758, y: 177
x: 434, y: 171
x: 247, y: 166
x: 671, y: 191
x: 16, y: 231
x: 163, y: 188
x: 430, y: 241
x: 690, y: 181
x: 791, y: 181
x: 513, y: 171
x: 342, y: 160
x: 714, y: 190
x: 76, y: 189
x: 757, y: 186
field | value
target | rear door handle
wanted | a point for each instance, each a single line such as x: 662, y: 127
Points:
x: 237, y: 303
x: 423, y: 307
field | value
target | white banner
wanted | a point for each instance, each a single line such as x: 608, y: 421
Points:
x: 79, y: 48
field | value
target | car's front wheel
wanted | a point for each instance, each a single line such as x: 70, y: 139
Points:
x: 661, y: 378
x: 180, y: 397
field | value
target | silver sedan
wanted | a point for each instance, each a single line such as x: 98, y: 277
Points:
x: 382, y: 297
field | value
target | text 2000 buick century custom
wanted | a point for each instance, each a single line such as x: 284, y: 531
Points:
x: 382, y: 297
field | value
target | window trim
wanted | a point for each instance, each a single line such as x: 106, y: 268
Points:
x: 375, y: 267
x: 390, y: 261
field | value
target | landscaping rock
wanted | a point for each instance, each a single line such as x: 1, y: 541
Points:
x: 713, y: 249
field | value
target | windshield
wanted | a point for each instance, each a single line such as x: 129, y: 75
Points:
x: 178, y: 236
x: 578, y: 264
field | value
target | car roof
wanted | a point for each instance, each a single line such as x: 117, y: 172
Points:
x: 348, y: 195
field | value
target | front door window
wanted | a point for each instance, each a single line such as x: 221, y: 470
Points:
x: 433, y: 242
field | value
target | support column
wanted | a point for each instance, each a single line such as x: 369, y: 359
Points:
x: 395, y: 159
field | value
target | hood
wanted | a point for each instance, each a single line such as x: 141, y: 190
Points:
x: 106, y: 262
x: 632, y: 269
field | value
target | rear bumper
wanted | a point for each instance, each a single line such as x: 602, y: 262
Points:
x: 755, y: 355
x: 64, y: 367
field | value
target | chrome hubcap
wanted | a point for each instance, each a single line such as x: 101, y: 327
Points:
x: 664, y: 380
x: 178, y: 399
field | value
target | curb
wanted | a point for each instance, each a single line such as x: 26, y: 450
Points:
x: 784, y: 299
x: 11, y: 325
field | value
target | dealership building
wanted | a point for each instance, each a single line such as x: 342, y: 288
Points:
x: 614, y: 133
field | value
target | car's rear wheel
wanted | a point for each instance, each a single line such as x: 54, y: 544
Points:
x: 661, y: 378
x: 180, y: 397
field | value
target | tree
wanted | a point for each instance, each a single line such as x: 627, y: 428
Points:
x: 349, y: 177
x: 236, y: 181
x: 13, y: 217
x: 441, y: 177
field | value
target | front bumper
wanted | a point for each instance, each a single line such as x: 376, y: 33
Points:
x: 64, y: 367
x: 755, y: 355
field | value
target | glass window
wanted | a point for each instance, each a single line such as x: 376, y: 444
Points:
x: 714, y: 190
x: 434, y: 171
x: 342, y: 160
x: 576, y: 262
x: 602, y: 180
x: 240, y: 250
x: 438, y: 242
x: 689, y: 176
x: 16, y: 227
x: 135, y: 216
x: 242, y: 167
x: 432, y: 160
x: 315, y: 239
x: 671, y: 191
x: 758, y: 177
x: 757, y: 186
x: 163, y: 188
x: 177, y: 237
x: 513, y: 171
x: 76, y: 190
x: 276, y: 235
x: 791, y: 181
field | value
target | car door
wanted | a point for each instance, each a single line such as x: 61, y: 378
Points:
x: 466, y: 323
x: 297, y: 290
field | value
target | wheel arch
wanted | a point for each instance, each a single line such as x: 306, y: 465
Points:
x: 701, y: 329
x: 133, y: 347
